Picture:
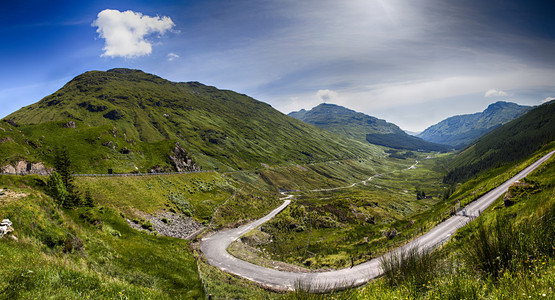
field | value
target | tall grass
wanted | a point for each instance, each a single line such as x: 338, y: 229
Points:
x: 505, y: 246
x: 312, y: 291
x: 415, y: 267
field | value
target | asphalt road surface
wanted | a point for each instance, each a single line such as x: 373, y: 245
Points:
x: 214, y: 248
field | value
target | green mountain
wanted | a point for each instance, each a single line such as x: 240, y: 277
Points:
x: 362, y: 127
x: 129, y: 120
x: 506, y: 144
x: 460, y: 131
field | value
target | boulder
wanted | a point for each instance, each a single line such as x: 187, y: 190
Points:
x: 181, y: 161
x: 25, y: 168
x: 5, y: 227
x: 70, y: 124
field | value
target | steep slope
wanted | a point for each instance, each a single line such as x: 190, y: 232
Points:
x: 127, y: 120
x: 342, y: 120
x: 509, y: 143
x: 362, y: 127
x: 460, y: 131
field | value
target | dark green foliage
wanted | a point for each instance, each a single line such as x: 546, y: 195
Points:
x: 91, y: 216
x: 62, y: 164
x: 420, y: 194
x: 400, y: 155
x: 52, y: 236
x: 88, y: 201
x: 448, y: 192
x: 56, y: 189
x: 73, y: 243
x: 401, y: 140
x: 507, y: 144
x: 147, y: 225
x: 460, y: 131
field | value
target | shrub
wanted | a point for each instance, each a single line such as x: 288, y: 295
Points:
x: 71, y: 243
x: 147, y: 225
x: 52, y: 237
x: 56, y: 189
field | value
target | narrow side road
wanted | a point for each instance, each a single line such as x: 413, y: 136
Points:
x: 214, y: 248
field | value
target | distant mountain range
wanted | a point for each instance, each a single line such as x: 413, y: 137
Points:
x: 508, y: 143
x: 362, y: 127
x: 128, y: 120
x: 460, y: 131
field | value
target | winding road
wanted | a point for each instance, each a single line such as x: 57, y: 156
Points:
x: 214, y: 248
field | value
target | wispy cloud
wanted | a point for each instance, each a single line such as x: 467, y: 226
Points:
x: 172, y: 56
x: 327, y: 95
x: 548, y: 99
x: 125, y: 32
x: 495, y: 93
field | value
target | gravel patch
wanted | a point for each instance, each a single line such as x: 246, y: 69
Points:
x: 171, y: 224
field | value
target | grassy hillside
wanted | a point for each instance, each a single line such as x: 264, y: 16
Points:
x: 460, y: 131
x: 86, y: 252
x: 129, y: 120
x: 362, y: 127
x: 344, y: 121
x: 507, y: 144
x: 507, y: 253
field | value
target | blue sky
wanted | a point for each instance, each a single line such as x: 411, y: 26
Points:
x: 412, y: 63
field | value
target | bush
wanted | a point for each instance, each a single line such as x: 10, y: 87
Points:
x: 56, y: 189
x: 92, y: 217
x: 71, y: 243
x: 147, y: 225
x: 52, y: 237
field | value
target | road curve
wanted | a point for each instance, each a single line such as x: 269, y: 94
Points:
x: 214, y: 248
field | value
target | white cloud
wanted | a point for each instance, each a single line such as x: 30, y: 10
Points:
x: 125, y: 32
x: 327, y: 95
x: 495, y: 93
x: 548, y: 99
x: 172, y: 56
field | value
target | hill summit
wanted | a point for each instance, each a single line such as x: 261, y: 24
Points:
x: 460, y: 131
x: 130, y: 120
x: 362, y: 127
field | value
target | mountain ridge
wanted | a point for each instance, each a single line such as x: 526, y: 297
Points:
x: 139, y: 117
x: 461, y: 130
x: 362, y: 127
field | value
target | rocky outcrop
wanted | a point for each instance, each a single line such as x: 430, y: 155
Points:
x: 6, y: 140
x: 517, y: 190
x: 25, y: 168
x: 70, y: 124
x: 6, y: 229
x: 181, y: 161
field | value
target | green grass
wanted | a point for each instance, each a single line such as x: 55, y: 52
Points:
x: 197, y: 194
x: 335, y: 228
x: 63, y: 254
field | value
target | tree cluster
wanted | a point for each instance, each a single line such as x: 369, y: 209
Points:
x: 60, y: 186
